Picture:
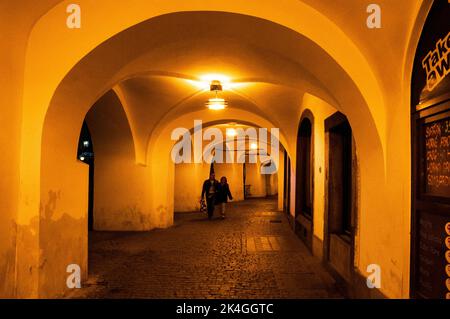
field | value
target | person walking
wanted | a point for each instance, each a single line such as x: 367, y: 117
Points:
x: 210, y: 189
x: 223, y: 195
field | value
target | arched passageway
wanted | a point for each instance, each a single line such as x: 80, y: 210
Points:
x: 136, y: 92
x: 239, y: 152
x: 142, y: 75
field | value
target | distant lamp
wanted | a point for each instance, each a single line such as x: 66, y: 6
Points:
x: 231, y: 132
x: 215, y: 86
x: 86, y: 143
x: 254, y: 146
x: 82, y: 158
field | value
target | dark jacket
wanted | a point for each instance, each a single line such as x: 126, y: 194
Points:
x: 224, y: 193
x: 207, y: 185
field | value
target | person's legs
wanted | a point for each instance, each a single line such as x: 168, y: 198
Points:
x: 210, y: 207
x: 223, y: 210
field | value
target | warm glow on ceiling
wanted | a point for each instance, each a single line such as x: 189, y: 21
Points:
x: 208, y: 78
x: 205, y: 81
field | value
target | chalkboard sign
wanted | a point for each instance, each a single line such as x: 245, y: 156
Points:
x: 432, y: 263
x: 437, y: 158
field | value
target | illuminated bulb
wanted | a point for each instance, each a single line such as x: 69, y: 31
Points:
x: 254, y: 146
x: 216, y: 104
x: 86, y: 143
x: 82, y: 158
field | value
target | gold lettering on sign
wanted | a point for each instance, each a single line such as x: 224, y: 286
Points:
x: 437, y: 63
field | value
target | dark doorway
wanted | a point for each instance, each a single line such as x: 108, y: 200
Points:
x: 85, y: 154
x: 304, y: 181
x: 340, y: 196
x: 287, y: 184
x: 246, y: 187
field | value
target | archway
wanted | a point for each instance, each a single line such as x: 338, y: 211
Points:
x: 86, y: 155
x: 341, y: 198
x: 304, y: 199
x: 59, y: 125
x: 247, y: 146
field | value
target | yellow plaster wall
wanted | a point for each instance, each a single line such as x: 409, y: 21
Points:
x: 121, y: 194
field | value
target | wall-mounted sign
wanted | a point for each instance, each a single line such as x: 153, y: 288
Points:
x: 432, y: 62
x: 437, y: 157
x: 430, y: 109
x: 437, y: 63
x: 433, y: 257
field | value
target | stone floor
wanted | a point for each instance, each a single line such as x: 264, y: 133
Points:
x: 251, y: 254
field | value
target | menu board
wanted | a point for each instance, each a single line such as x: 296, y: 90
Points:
x: 433, y: 253
x: 437, y: 158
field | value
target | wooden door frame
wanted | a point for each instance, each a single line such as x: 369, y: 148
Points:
x: 299, y: 187
x: 331, y: 122
x: 287, y: 184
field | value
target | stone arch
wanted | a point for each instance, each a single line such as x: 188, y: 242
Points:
x: 160, y: 146
x: 186, y: 198
x: 65, y: 98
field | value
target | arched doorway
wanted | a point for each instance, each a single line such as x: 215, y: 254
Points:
x: 430, y: 125
x: 340, y: 197
x: 85, y: 154
x: 246, y: 161
x: 304, y: 181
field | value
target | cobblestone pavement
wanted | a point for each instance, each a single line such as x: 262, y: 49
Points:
x: 251, y: 254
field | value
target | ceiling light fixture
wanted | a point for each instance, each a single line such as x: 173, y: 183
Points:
x: 216, y: 103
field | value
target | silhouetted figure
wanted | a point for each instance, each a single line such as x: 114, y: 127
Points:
x: 210, y: 189
x: 223, y: 195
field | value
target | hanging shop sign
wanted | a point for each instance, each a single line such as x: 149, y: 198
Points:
x: 436, y: 63
x: 431, y: 79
